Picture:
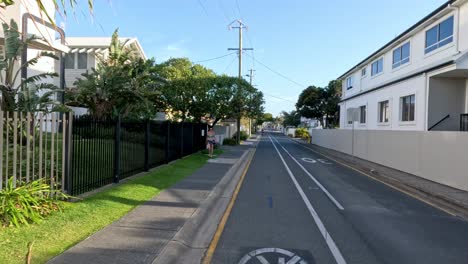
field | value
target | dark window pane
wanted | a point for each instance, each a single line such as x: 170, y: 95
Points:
x: 69, y: 61
x: 362, y: 118
x: 405, y: 51
x: 396, y: 55
x: 446, y: 28
x: 445, y: 42
x: 431, y: 36
x: 82, y: 60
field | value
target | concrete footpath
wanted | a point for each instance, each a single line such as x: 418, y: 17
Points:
x: 449, y: 199
x: 175, y: 226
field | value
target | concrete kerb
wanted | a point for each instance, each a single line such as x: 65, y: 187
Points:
x: 443, y: 203
x: 192, y: 240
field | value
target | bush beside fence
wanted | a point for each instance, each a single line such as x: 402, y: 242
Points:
x: 77, y: 154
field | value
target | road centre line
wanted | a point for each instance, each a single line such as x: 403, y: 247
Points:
x: 328, y: 238
x: 337, y: 204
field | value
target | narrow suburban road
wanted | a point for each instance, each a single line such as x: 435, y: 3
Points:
x: 296, y: 206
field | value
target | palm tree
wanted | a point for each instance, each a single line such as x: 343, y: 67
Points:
x: 10, y: 68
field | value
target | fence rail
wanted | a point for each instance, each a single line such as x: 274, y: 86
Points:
x: 106, y: 151
x: 77, y: 154
x: 33, y: 146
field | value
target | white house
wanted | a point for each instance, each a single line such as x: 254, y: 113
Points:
x: 32, y: 21
x: 84, y: 53
x: 417, y: 81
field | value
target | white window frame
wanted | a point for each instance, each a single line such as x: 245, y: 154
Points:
x: 349, y: 82
x: 389, y: 112
x: 400, y: 116
x: 349, y: 115
x: 375, y: 61
x: 77, y: 62
x: 400, y: 64
x: 438, y: 35
x: 365, y: 72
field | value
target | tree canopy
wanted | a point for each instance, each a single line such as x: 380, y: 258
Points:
x: 318, y: 103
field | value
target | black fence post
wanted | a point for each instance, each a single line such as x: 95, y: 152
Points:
x: 182, y: 140
x: 117, y: 149
x: 166, y: 143
x: 147, y: 144
x: 191, y: 136
x: 68, y: 154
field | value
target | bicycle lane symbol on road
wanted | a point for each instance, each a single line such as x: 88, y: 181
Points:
x: 271, y: 256
x: 323, y: 161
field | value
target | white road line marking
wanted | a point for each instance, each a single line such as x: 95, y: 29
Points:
x: 328, y: 238
x: 337, y: 204
x: 262, y: 260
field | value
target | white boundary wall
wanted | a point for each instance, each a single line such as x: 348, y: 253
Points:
x: 437, y: 156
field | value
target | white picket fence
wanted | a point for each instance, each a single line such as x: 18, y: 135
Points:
x: 34, y: 146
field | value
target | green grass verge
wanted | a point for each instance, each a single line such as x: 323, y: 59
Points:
x: 61, y: 230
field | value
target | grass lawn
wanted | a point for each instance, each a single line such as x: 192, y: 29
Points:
x: 62, y: 230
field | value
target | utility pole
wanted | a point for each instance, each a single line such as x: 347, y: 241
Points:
x: 240, y: 26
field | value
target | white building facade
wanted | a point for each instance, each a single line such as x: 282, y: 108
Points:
x: 417, y: 81
x: 85, y: 53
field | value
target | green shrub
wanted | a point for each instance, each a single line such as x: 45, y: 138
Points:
x: 243, y: 135
x: 27, y: 203
x: 302, y: 133
x: 229, y: 141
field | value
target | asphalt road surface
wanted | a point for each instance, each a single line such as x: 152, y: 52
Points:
x: 296, y: 206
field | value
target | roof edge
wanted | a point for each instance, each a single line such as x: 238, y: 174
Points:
x: 424, y: 19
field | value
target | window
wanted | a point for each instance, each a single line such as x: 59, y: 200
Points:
x: 439, y: 35
x: 69, y: 61
x: 362, y: 114
x: 363, y: 72
x: 82, y: 60
x: 401, y: 55
x: 349, y: 82
x: 384, y: 112
x: 377, y: 67
x: 407, y: 104
x: 349, y: 113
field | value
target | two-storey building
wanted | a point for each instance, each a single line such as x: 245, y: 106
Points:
x: 417, y: 81
x: 85, y: 53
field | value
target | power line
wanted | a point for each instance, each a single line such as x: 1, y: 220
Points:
x: 203, y: 7
x: 276, y: 72
x: 280, y: 98
x: 229, y: 65
x: 216, y: 58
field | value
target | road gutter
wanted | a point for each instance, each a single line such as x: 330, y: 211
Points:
x: 191, y: 243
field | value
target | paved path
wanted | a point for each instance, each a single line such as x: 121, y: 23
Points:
x: 141, y: 235
x: 295, y: 206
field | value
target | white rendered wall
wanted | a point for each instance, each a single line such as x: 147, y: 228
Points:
x: 392, y: 93
x: 437, y: 156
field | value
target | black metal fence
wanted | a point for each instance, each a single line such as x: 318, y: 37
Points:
x: 464, y: 122
x: 105, y: 150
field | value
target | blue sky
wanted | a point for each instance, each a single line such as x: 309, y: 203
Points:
x: 309, y: 41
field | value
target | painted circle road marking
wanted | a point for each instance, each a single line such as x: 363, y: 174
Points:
x: 276, y: 255
x: 323, y: 161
